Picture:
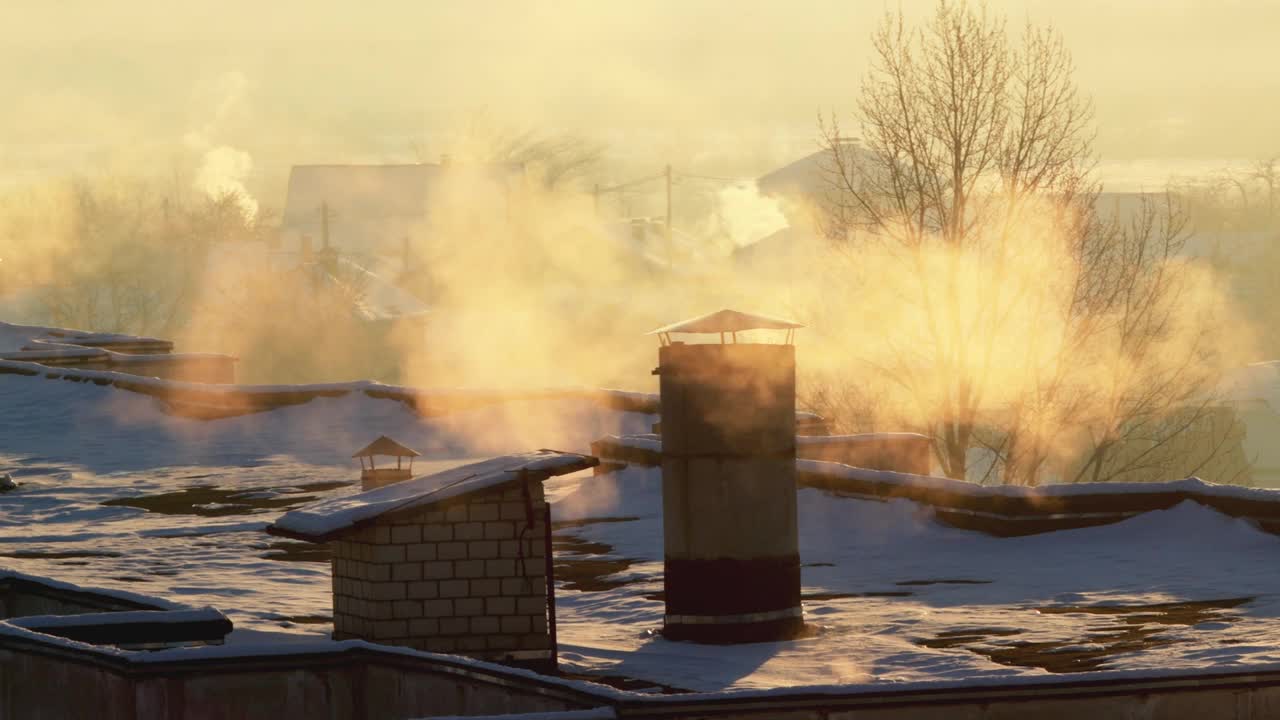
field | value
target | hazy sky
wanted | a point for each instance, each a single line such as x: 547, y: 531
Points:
x: 731, y: 86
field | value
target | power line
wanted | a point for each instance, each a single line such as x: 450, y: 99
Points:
x: 633, y: 183
x: 676, y: 175
x: 716, y: 178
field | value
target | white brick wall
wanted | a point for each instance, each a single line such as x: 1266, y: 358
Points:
x: 448, y: 579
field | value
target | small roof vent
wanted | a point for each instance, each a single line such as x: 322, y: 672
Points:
x: 385, y: 446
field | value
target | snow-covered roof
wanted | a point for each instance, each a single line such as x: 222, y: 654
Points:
x: 56, y: 351
x: 324, y: 520
x: 160, y: 617
x: 907, y: 598
x: 723, y: 321
x: 16, y: 338
x: 1192, y: 488
x: 133, y: 628
x: 128, y: 598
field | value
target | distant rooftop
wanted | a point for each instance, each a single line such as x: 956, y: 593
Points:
x: 810, y: 176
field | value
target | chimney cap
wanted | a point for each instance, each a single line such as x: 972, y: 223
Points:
x: 726, y: 321
x: 385, y: 446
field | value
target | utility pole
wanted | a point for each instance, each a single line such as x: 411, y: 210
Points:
x: 324, y: 225
x: 670, y: 256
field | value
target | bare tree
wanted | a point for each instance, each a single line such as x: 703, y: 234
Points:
x: 1267, y: 172
x: 976, y: 153
x: 959, y: 125
x: 552, y: 159
x: 116, y: 254
x: 1150, y: 410
x: 556, y: 159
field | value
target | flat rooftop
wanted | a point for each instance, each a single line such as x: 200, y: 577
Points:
x: 116, y: 493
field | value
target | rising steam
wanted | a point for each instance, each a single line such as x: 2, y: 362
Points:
x: 223, y: 169
x: 747, y: 215
x: 531, y: 287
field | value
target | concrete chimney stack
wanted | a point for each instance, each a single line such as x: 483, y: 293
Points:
x: 729, y: 482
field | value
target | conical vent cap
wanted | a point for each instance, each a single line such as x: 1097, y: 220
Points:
x: 385, y: 446
x: 727, y: 321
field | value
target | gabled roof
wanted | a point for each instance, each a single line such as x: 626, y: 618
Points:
x: 810, y: 176
x: 385, y: 446
x: 325, y: 520
x: 723, y: 321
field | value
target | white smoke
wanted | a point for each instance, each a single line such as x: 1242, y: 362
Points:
x: 223, y: 168
x: 223, y: 172
x: 747, y: 216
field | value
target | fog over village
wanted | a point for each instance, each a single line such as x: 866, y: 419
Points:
x: 611, y: 360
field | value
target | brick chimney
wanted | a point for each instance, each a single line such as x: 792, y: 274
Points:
x: 465, y: 577
x: 456, y: 562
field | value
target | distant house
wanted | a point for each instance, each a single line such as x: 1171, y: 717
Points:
x: 800, y: 188
x: 807, y: 183
x: 803, y: 178
x: 368, y: 227
x: 803, y: 190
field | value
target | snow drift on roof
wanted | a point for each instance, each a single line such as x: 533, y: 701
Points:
x: 321, y: 521
x: 16, y: 338
x: 727, y: 321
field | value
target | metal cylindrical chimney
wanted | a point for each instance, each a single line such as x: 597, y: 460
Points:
x: 729, y: 484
